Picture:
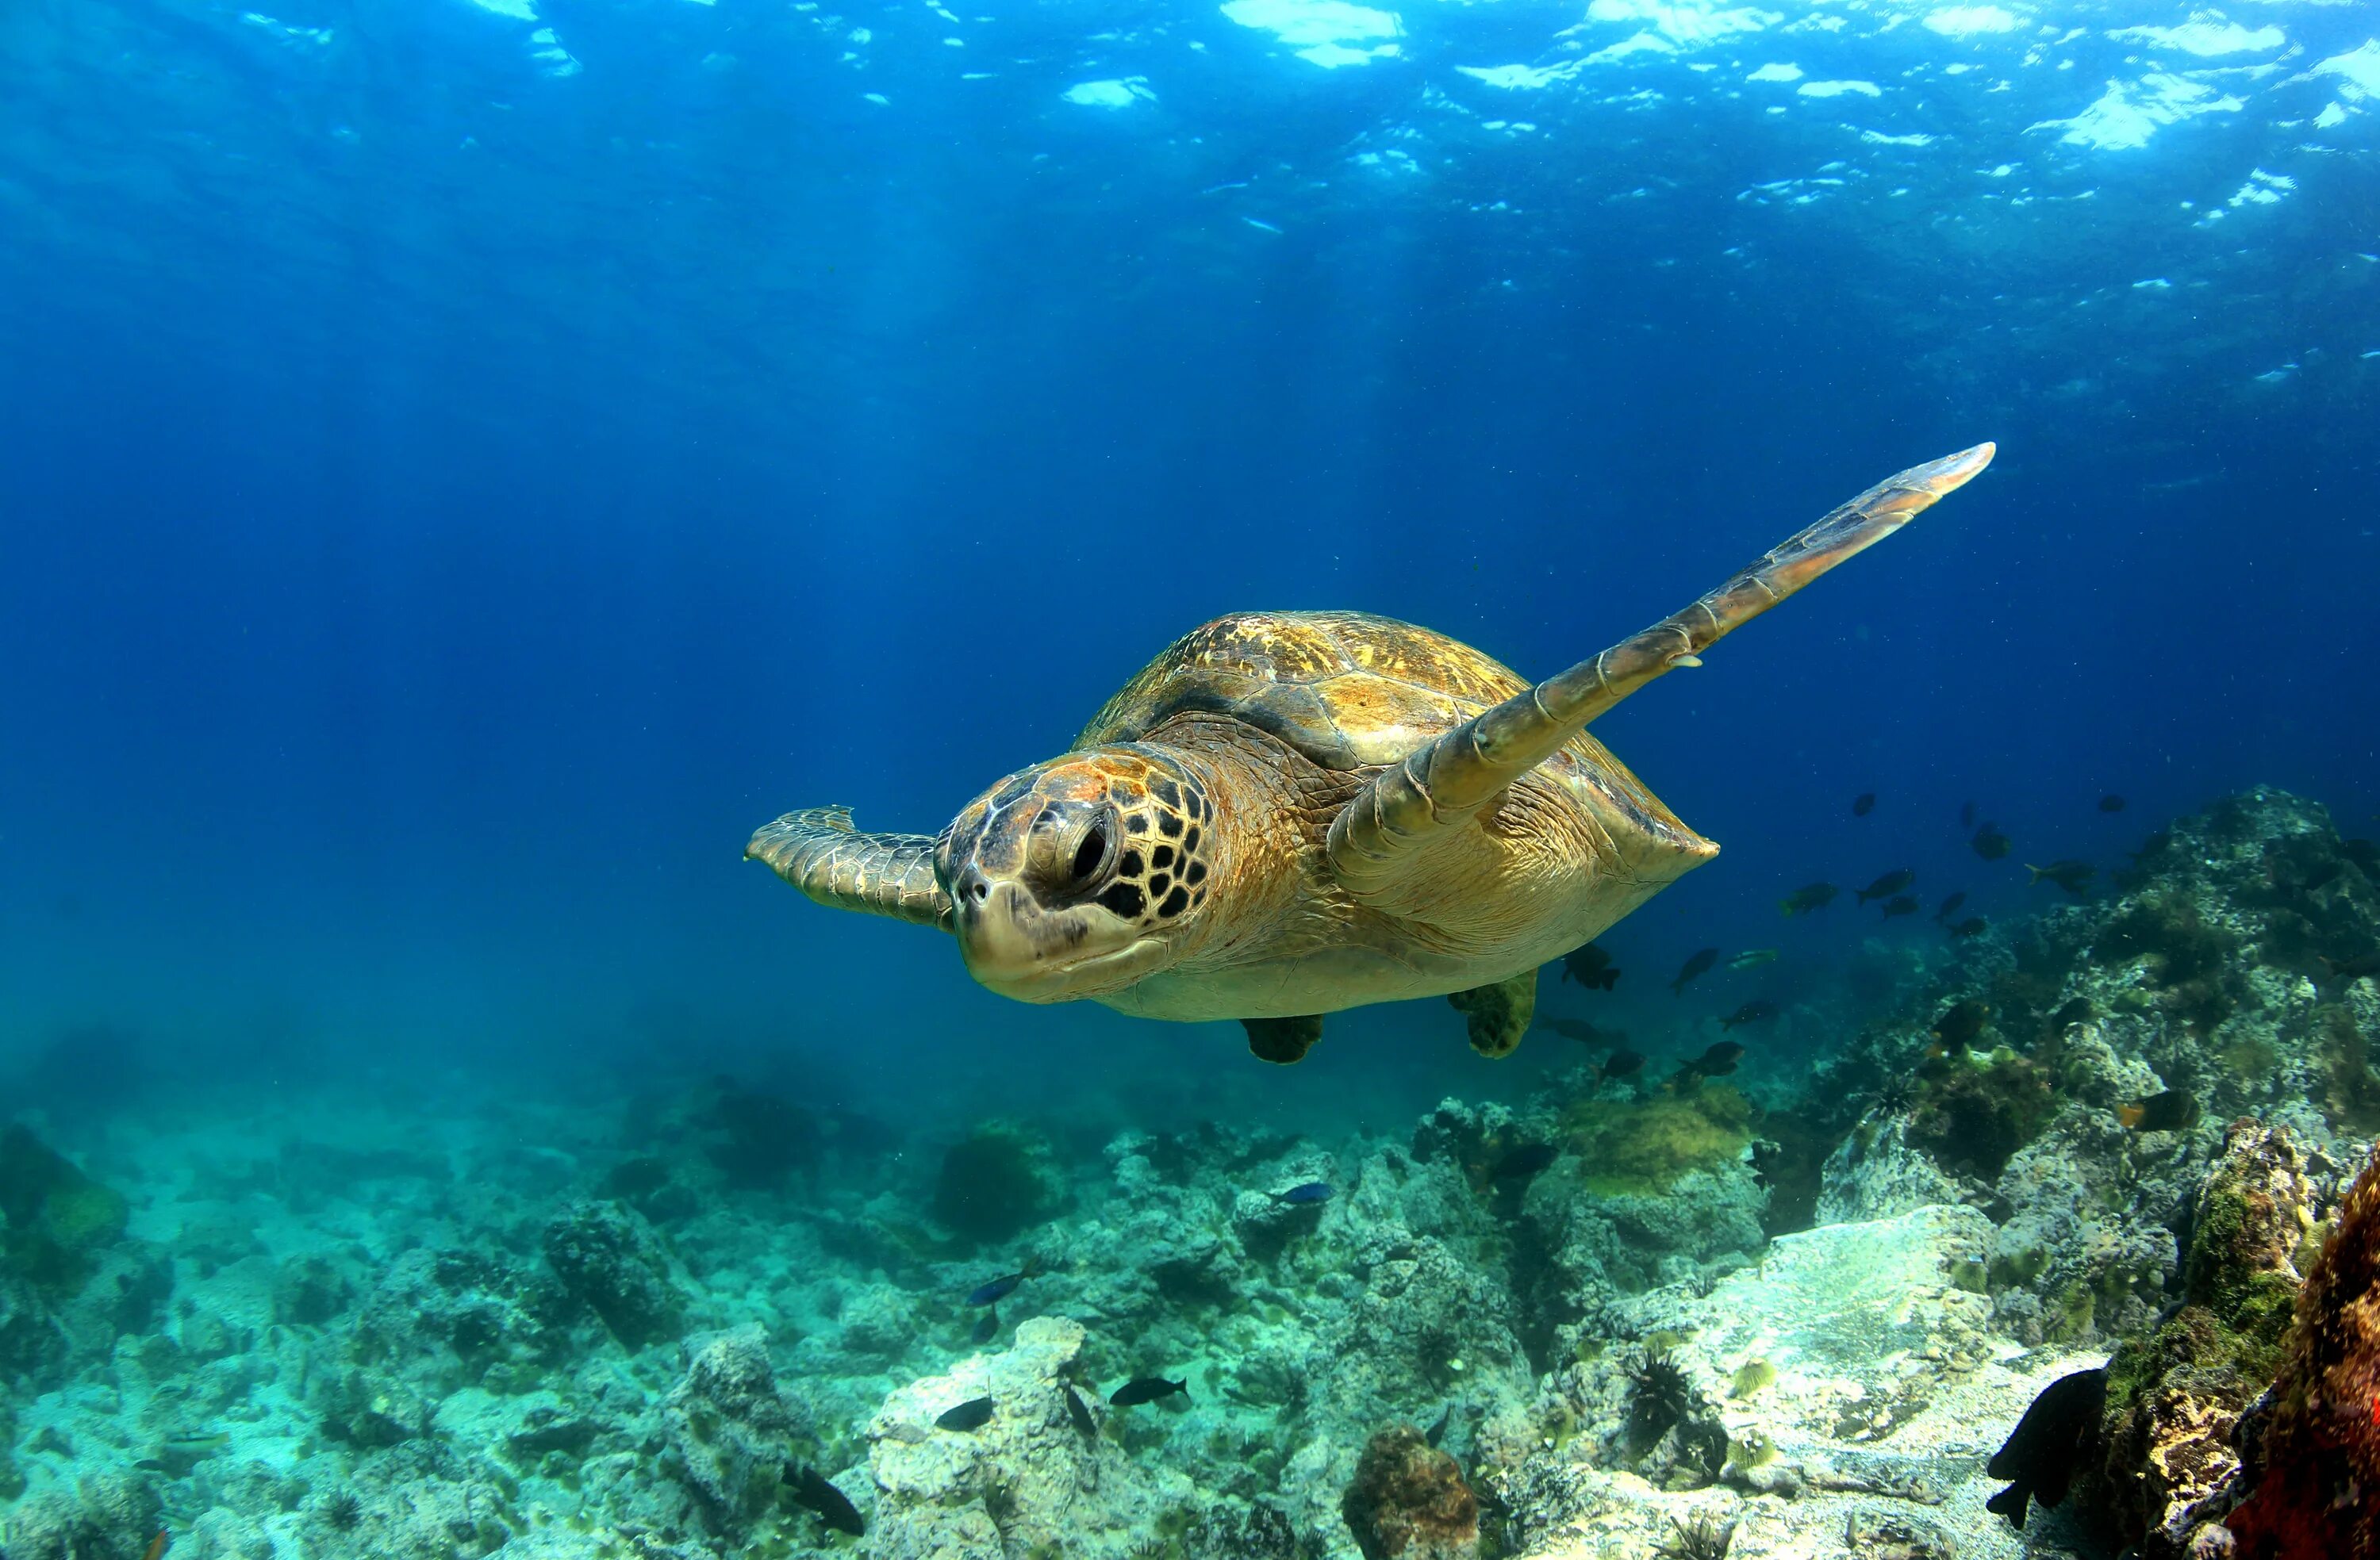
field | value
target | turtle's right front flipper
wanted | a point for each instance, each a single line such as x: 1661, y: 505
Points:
x: 1444, y: 782
x: 818, y: 851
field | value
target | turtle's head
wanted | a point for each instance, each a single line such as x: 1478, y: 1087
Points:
x: 1080, y: 877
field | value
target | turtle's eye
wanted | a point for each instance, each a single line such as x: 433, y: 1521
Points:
x: 1091, y: 854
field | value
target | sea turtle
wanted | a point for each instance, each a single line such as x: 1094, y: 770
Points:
x: 1288, y: 813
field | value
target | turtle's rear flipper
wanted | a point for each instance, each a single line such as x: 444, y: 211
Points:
x: 1445, y: 781
x: 1499, y: 1014
x: 818, y: 851
x: 1283, y: 1040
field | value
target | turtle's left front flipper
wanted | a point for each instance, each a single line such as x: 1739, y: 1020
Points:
x: 1446, y: 781
x: 818, y: 851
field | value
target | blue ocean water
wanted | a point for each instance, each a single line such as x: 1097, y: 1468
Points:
x: 468, y: 465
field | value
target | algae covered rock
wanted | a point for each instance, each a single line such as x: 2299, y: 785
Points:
x: 609, y: 1257
x: 2177, y: 1392
x: 1408, y: 1501
x: 730, y: 1427
x: 54, y: 1219
x: 2313, y: 1473
x: 996, y: 1181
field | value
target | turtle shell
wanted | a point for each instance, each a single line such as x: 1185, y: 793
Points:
x: 1345, y: 689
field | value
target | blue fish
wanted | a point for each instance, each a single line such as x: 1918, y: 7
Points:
x: 1312, y: 1191
x: 994, y: 1292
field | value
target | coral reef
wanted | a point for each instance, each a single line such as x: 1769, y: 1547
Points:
x: 1786, y: 1315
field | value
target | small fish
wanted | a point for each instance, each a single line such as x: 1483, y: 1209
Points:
x: 973, y: 1414
x: 1311, y: 1192
x: 1886, y: 886
x: 2071, y: 1012
x: 1436, y: 1433
x: 1622, y: 1063
x: 1960, y: 1022
x: 1966, y: 814
x: 1148, y: 1389
x: 1899, y: 904
x: 2167, y: 1112
x: 1591, y: 967
x: 1755, y: 1011
x: 833, y: 1507
x: 1752, y: 958
x: 1973, y: 927
x: 1525, y: 1161
x: 1863, y: 803
x: 1950, y: 906
x: 1807, y: 898
x: 157, y: 1545
x: 1080, y: 1412
x: 2068, y: 874
x: 2040, y: 1455
x: 1701, y: 962
x: 2363, y: 966
x: 2362, y: 853
x: 2112, y: 802
x: 1002, y: 1287
x: 1989, y: 842
x: 988, y: 1329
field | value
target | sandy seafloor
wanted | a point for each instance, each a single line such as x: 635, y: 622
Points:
x: 412, y: 1317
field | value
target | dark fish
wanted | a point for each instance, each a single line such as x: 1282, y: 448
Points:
x: 1807, y: 898
x: 2068, y: 874
x: 1591, y: 967
x: 1584, y: 1033
x: 1863, y: 803
x: 988, y: 1329
x: 1755, y: 1011
x: 1622, y: 1063
x: 1720, y: 1059
x: 2112, y: 802
x: 834, y: 1507
x: 1002, y: 1287
x: 973, y: 1414
x: 1694, y: 967
x: 1989, y: 842
x: 1080, y: 1412
x: 2361, y: 967
x: 1148, y: 1389
x: 1966, y: 814
x: 1899, y: 904
x: 1436, y: 1433
x: 2046, y: 1446
x: 2362, y: 853
x: 1973, y: 927
x: 2167, y: 1112
x: 1886, y: 886
x: 1950, y: 906
x: 1527, y: 1161
x: 1962, y: 1022
x: 1312, y: 1191
x: 2073, y: 1011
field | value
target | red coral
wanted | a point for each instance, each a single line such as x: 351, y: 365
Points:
x: 1408, y: 1501
x: 2316, y: 1462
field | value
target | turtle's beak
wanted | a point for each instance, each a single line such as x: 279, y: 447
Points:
x: 1019, y: 948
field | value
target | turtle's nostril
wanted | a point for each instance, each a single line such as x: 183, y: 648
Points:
x: 980, y: 891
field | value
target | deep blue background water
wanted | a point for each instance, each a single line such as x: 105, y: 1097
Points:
x: 458, y: 482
